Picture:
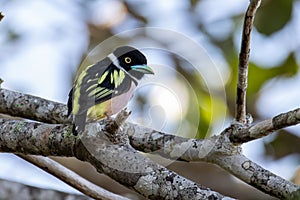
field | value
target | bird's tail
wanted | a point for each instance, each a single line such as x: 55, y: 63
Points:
x: 79, y: 123
x: 70, y: 102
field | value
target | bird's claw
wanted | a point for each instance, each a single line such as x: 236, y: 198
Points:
x: 113, y: 126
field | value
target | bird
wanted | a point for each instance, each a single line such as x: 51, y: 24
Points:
x: 105, y: 88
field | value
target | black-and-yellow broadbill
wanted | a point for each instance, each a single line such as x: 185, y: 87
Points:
x: 105, y: 88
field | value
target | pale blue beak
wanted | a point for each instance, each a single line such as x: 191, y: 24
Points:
x: 145, y: 69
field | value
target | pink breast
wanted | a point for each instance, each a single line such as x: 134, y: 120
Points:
x: 119, y: 102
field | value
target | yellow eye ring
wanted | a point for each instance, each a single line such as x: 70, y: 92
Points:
x: 127, y: 60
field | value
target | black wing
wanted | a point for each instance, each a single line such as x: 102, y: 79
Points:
x: 99, y: 83
x: 102, y: 82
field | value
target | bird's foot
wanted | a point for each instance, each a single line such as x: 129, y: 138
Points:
x: 113, y: 127
x: 108, y: 117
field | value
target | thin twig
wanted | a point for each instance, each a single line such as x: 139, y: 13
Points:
x: 240, y: 114
x: 112, y: 127
x: 70, y: 177
x: 266, y: 127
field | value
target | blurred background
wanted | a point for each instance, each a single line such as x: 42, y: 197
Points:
x: 193, y: 48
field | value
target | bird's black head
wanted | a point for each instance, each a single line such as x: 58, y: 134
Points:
x: 133, y: 61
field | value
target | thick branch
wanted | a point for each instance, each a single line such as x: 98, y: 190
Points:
x: 219, y: 150
x: 170, y: 146
x: 32, y: 107
x: 120, y: 162
x: 36, y: 138
x: 240, y: 114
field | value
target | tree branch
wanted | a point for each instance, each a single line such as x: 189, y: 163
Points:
x: 15, y: 103
x: 214, y: 149
x: 32, y: 107
x: 240, y: 115
x: 253, y: 174
x: 14, y: 190
x: 71, y: 178
x: 218, y: 150
x: 120, y: 162
x: 266, y: 127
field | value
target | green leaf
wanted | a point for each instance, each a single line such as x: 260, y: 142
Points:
x: 282, y: 145
x: 258, y: 76
x: 193, y: 3
x: 273, y: 16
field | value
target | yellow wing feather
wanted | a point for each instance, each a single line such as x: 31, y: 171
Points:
x: 96, y: 111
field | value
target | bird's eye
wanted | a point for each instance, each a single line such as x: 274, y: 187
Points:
x: 127, y: 60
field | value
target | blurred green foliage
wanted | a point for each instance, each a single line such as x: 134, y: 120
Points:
x: 258, y: 76
x: 283, y: 145
x: 275, y: 15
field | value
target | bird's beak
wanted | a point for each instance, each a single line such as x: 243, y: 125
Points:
x: 145, y: 69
